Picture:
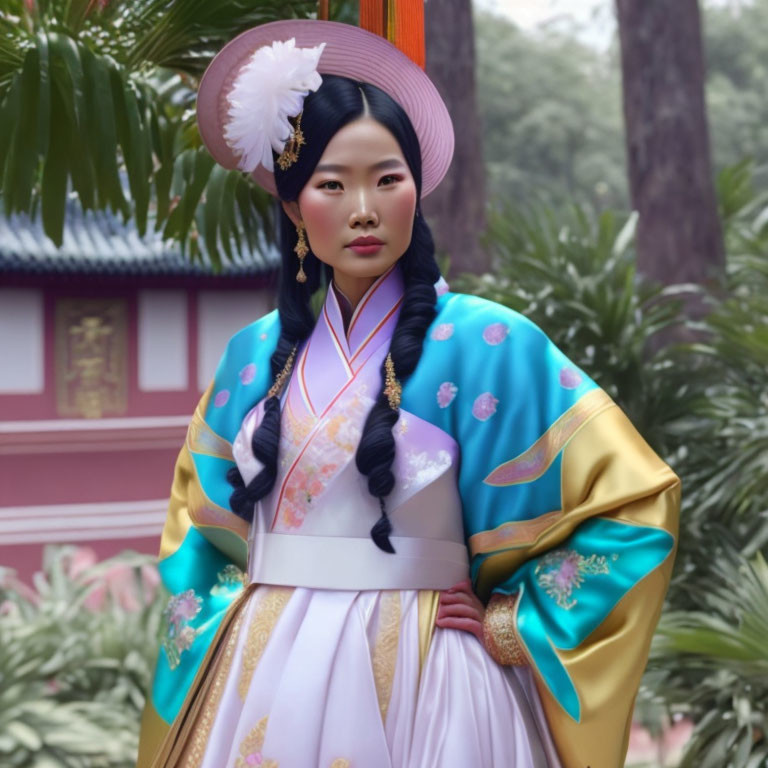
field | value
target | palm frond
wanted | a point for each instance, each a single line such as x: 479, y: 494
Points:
x: 95, y: 100
x: 714, y: 662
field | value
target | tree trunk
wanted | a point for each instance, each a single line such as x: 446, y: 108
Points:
x: 456, y: 209
x: 679, y: 236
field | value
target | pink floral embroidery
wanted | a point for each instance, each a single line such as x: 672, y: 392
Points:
x: 442, y: 332
x: 185, y: 639
x: 248, y: 374
x: 484, y: 406
x: 445, y: 393
x: 562, y: 571
x: 181, y: 609
x: 495, y: 333
x: 305, y: 485
x: 222, y: 398
x: 330, y: 449
x: 569, y: 378
x: 263, y: 337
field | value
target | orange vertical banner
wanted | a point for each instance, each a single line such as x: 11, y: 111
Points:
x: 399, y: 21
x: 373, y: 15
x: 409, y: 29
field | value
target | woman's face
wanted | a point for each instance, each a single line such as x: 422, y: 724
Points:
x: 361, y: 188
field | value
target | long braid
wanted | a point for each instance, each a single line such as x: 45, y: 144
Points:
x: 376, y: 450
x: 296, y: 323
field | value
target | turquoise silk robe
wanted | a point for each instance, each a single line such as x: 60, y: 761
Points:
x: 564, y: 505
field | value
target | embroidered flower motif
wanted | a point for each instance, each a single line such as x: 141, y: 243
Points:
x: 185, y: 639
x: 248, y: 373
x: 330, y: 449
x: 343, y: 432
x: 424, y: 467
x: 569, y: 377
x: 229, y: 579
x: 484, y: 406
x: 561, y: 571
x: 251, y: 746
x: 495, y: 333
x: 307, y: 482
x: 445, y: 393
x: 263, y: 337
x: 442, y: 332
x: 293, y: 431
x: 230, y: 575
x: 222, y: 398
x: 181, y: 609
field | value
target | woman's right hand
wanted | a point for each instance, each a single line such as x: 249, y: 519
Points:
x: 460, y: 608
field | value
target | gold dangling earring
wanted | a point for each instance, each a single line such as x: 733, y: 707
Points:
x: 301, y: 250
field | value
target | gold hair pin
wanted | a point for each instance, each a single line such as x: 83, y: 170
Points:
x: 291, y: 152
x: 392, y: 390
x: 281, y: 378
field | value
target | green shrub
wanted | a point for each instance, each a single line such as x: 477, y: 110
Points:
x: 76, y: 656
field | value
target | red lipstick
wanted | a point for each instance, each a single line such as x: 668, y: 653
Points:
x: 365, y: 246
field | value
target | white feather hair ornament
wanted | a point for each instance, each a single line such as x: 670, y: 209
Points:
x: 270, y: 88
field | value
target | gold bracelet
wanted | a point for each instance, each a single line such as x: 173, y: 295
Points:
x: 499, y: 633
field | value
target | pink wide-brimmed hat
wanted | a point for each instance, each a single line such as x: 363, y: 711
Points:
x: 349, y: 51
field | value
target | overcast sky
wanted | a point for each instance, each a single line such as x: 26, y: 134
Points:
x: 594, y: 18
x: 529, y: 13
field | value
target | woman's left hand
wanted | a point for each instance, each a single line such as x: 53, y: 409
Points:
x: 460, y: 608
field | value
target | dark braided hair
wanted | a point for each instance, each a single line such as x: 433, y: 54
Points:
x: 337, y: 102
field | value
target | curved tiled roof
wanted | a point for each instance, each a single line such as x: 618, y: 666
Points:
x: 98, y: 242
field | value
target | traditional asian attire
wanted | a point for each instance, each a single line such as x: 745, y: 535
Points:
x: 296, y: 642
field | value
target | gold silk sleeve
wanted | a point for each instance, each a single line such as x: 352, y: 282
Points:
x: 178, y: 521
x: 190, y: 506
x: 608, y: 469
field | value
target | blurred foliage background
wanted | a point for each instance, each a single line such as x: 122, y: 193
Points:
x: 550, y: 105
x: 77, y: 652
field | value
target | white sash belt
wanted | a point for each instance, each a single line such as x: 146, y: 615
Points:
x: 343, y: 562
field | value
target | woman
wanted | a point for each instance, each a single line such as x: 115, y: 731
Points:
x: 454, y: 545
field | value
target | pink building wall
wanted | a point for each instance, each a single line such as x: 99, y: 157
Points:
x: 103, y: 481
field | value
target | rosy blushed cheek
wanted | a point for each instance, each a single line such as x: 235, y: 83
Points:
x: 320, y: 216
x: 404, y: 205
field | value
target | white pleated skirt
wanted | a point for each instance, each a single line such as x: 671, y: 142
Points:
x: 338, y: 679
